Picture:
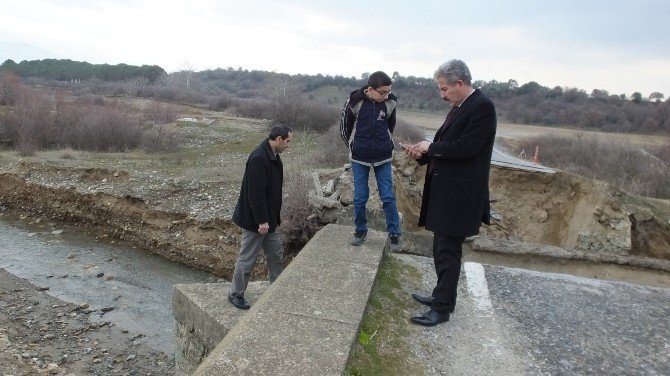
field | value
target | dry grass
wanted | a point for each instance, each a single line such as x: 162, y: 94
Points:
x: 514, y: 133
x: 620, y: 163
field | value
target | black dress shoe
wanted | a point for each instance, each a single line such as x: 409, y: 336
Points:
x: 238, y: 301
x: 431, y: 318
x: 424, y: 299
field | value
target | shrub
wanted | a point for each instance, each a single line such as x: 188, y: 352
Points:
x: 108, y: 129
x: 161, y: 113
x: 315, y: 117
x: 40, y: 122
x: 618, y: 163
x: 255, y: 108
x: 160, y: 139
x: 297, y: 227
x: 10, y: 85
x: 32, y: 125
x: 221, y: 102
x: 91, y: 100
x: 330, y: 149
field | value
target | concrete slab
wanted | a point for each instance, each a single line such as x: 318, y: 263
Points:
x: 308, y: 319
x: 336, y: 292
x: 331, y: 244
x: 206, y: 305
x: 277, y: 343
x: 203, y: 317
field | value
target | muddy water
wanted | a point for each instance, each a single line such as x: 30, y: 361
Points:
x: 78, y: 269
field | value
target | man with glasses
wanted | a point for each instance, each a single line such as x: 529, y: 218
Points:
x: 368, y: 120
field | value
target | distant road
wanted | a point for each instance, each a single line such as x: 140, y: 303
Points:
x: 499, y: 158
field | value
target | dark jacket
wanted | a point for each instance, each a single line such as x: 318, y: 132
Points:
x: 456, y: 189
x: 366, y: 127
x: 261, y: 193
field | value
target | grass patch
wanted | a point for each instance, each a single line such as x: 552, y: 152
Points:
x: 381, y: 348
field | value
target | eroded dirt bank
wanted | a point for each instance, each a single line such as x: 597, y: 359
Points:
x: 560, y: 209
x: 207, y: 244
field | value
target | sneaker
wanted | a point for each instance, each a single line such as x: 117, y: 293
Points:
x: 358, y: 238
x: 395, y: 245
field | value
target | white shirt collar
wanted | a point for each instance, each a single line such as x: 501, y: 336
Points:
x: 464, y: 99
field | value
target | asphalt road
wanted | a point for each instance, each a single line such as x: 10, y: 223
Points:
x: 517, y: 322
x: 500, y: 158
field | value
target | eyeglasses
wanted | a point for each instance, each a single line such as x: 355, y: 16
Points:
x: 382, y: 93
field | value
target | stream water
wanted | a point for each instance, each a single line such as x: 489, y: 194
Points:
x: 79, y: 269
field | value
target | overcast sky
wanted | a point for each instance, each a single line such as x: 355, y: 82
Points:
x: 614, y: 45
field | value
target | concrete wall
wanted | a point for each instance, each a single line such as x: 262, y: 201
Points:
x: 304, y: 323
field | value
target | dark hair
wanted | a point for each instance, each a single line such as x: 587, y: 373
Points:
x: 378, y: 79
x: 279, y: 130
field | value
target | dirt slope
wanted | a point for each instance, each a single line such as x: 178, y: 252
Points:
x: 560, y: 209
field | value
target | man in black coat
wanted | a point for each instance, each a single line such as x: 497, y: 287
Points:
x: 258, y: 212
x: 456, y: 189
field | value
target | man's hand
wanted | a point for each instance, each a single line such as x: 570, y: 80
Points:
x: 416, y: 151
x: 423, y: 146
x: 263, y: 228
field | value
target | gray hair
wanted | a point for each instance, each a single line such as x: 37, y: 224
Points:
x: 454, y: 70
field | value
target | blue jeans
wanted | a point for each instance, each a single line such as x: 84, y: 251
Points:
x: 384, y: 177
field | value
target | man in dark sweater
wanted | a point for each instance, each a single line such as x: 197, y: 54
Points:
x: 367, y: 124
x: 258, y: 212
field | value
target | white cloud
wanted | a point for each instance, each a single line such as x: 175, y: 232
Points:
x: 527, y: 43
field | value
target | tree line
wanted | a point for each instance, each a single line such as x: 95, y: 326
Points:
x: 68, y: 70
x: 529, y: 103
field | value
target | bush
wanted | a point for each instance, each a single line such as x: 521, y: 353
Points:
x: 315, y: 117
x: 618, y: 163
x: 160, y: 139
x: 296, y: 225
x: 255, y: 108
x: 221, y: 102
x: 10, y: 86
x: 161, y: 113
x: 330, y: 149
x: 108, y: 129
x: 31, y: 124
x: 41, y: 122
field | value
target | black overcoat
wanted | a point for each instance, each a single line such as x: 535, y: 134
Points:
x: 456, y: 188
x: 261, y: 193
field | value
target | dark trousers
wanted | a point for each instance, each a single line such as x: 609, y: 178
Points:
x: 447, y: 252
